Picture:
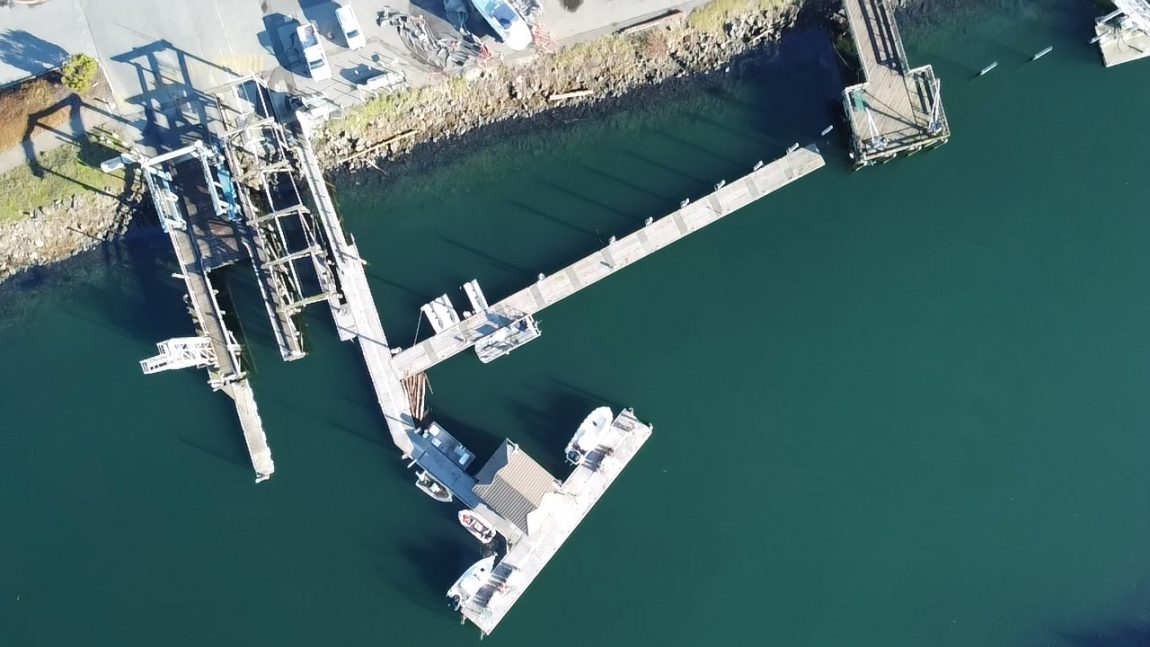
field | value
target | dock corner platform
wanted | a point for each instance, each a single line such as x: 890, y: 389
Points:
x: 488, y: 590
x: 897, y: 109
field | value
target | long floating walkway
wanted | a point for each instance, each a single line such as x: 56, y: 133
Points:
x: 896, y: 109
x: 620, y: 253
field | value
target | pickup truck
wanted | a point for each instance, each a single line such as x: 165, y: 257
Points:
x: 313, y: 54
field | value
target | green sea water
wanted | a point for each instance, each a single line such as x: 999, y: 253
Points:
x: 903, y: 406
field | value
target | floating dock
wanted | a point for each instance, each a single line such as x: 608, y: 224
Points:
x: 269, y: 202
x: 545, y: 512
x: 230, y: 197
x: 897, y: 109
x: 618, y: 254
x: 1124, y: 34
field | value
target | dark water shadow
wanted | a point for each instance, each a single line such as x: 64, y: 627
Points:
x: 519, y: 272
x: 622, y: 181
x: 1116, y: 635
x: 550, y: 420
x: 439, y: 562
x: 604, y: 206
x: 481, y: 442
x: 548, y: 217
x: 233, y: 454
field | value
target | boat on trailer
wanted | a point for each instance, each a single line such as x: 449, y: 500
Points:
x: 589, y: 434
x: 479, y: 527
x: 506, y: 22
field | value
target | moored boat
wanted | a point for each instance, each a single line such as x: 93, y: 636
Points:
x: 587, y: 437
x: 432, y: 488
x: 471, y: 581
x: 475, y: 524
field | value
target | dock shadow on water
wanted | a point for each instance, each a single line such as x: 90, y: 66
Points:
x: 439, y: 561
x: 508, y: 201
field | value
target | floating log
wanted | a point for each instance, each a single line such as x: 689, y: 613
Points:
x: 374, y: 147
x: 644, y: 25
x: 573, y: 94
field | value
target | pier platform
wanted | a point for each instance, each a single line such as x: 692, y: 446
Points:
x: 896, y: 109
x: 485, y: 598
x: 1124, y: 34
x: 619, y: 254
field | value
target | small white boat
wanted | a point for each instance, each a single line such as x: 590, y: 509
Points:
x: 432, y: 488
x: 589, y: 434
x: 475, y: 524
x: 471, y: 581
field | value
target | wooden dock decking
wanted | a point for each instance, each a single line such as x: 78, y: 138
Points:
x: 894, y: 110
x: 617, y: 255
x: 564, y: 510
x: 357, y: 316
x: 226, y: 373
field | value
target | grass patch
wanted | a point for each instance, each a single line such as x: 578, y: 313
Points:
x: 19, y: 103
x: 715, y: 16
x: 388, y: 106
x: 66, y: 170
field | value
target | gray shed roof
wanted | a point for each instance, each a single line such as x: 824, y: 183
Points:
x: 512, y: 484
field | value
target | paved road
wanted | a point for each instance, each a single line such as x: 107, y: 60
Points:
x: 159, y: 62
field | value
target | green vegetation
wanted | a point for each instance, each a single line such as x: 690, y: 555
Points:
x: 79, y: 73
x: 715, y: 16
x: 65, y: 171
x: 387, y: 106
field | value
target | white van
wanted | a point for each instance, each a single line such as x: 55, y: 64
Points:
x: 349, y: 25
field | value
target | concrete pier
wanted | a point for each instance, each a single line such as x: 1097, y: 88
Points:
x: 619, y: 254
x: 896, y: 109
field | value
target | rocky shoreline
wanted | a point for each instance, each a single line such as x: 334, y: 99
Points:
x: 565, y: 86
x: 412, y: 127
x: 62, y: 230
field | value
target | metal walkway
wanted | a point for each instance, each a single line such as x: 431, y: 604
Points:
x: 620, y: 253
x: 896, y: 109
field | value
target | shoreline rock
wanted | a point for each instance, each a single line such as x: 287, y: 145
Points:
x: 573, y: 83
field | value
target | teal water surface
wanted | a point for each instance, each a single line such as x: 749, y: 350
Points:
x: 904, y: 406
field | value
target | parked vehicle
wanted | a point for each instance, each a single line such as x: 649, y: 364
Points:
x: 313, y: 54
x: 349, y: 25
